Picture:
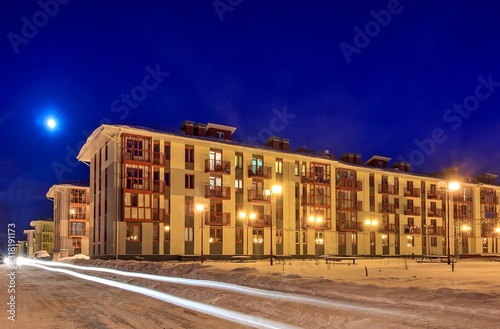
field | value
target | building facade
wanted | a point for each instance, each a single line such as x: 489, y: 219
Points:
x: 43, y: 235
x: 145, y: 185
x: 71, y: 217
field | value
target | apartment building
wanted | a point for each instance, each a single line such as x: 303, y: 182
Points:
x: 71, y: 217
x: 43, y: 235
x: 164, y: 194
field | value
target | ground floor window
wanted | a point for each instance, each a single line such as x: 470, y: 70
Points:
x: 134, y: 233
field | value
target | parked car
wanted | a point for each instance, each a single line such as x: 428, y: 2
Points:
x: 42, y: 255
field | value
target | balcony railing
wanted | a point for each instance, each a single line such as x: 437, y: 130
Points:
x: 138, y: 155
x: 413, y: 229
x: 217, y: 218
x: 462, y: 214
x: 433, y: 212
x: 315, y: 200
x: 350, y: 183
x: 158, y: 186
x: 387, y: 228
x: 412, y: 210
x: 386, y: 189
x: 388, y: 208
x: 218, y: 166
x: 350, y: 205
x: 78, y: 232
x: 489, y: 199
x: 261, y: 221
x: 343, y: 226
x: 434, y: 195
x: 259, y: 171
x: 412, y: 192
x: 137, y: 184
x: 257, y: 195
x: 325, y: 224
x: 311, y: 177
x: 159, y: 158
x: 438, y: 230
x: 217, y: 192
x: 158, y: 214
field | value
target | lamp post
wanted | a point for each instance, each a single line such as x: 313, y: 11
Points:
x: 371, y: 223
x: 275, y: 190
x: 201, y: 208
x: 244, y: 215
x: 447, y: 187
x: 315, y: 220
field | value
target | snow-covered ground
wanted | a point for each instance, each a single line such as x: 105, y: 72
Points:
x: 468, y: 297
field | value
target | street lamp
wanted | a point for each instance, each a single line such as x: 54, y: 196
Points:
x: 201, y: 208
x: 371, y: 223
x: 314, y: 219
x: 275, y: 190
x: 244, y: 215
x: 447, y: 187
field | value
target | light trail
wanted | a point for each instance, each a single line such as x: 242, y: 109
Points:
x: 233, y: 316
x: 276, y: 295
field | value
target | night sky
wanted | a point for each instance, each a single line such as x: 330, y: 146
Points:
x: 415, y: 81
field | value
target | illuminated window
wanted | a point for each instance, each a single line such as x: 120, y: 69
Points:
x: 188, y: 234
x: 216, y: 235
x: 239, y: 235
x: 134, y: 233
x: 279, y: 236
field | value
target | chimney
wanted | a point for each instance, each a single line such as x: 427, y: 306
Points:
x: 200, y: 129
x: 353, y: 158
x: 402, y: 166
x: 284, y: 144
x: 273, y: 142
x: 188, y: 127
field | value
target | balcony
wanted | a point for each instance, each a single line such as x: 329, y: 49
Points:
x: 261, y: 221
x: 438, y: 230
x: 217, y: 218
x: 434, y: 195
x: 257, y: 195
x: 350, y: 205
x: 489, y: 199
x: 158, y: 186
x: 412, y: 211
x: 137, y: 156
x: 349, y: 226
x: 259, y: 171
x: 158, y: 214
x: 412, y: 192
x: 433, y: 212
x: 78, y: 232
x: 316, y: 200
x: 218, y: 166
x: 350, y: 184
x: 462, y: 214
x: 387, y: 228
x: 310, y: 177
x: 137, y: 184
x: 387, y: 208
x: 159, y: 159
x: 386, y: 189
x: 413, y: 229
x: 217, y: 192
x: 325, y: 224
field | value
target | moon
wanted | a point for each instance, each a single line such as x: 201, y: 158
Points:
x: 51, y: 123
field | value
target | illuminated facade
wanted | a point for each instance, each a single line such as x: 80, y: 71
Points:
x: 152, y: 180
x: 71, y: 217
x: 43, y: 235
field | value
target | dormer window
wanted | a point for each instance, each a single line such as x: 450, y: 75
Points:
x: 220, y: 135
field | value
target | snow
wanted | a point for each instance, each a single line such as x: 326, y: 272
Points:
x: 466, y: 297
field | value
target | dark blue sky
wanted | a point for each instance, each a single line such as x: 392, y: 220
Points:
x: 395, y: 90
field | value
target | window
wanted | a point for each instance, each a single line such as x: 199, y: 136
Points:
x: 371, y: 180
x: 216, y: 235
x: 189, y: 154
x: 166, y: 150
x: 434, y: 241
x: 238, y: 185
x: 106, y: 152
x: 279, y: 166
x: 279, y: 236
x: 258, y: 236
x: 189, y: 207
x: 354, y: 238
x: 166, y: 177
x: 296, y: 168
x: 297, y: 240
x: 238, y: 161
x: 304, y: 237
x: 134, y: 233
x: 411, y: 241
x: 189, y: 181
x: 188, y: 234
x: 133, y: 200
x: 220, y: 135
x: 156, y: 232
x: 318, y: 237
x: 166, y: 233
x: 342, y: 239
x: 239, y: 235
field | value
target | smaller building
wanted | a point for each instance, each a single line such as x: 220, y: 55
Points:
x: 43, y: 235
x: 71, y: 217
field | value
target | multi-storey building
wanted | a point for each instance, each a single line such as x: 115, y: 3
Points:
x: 145, y: 185
x: 71, y: 217
x: 43, y: 235
x: 30, y: 240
